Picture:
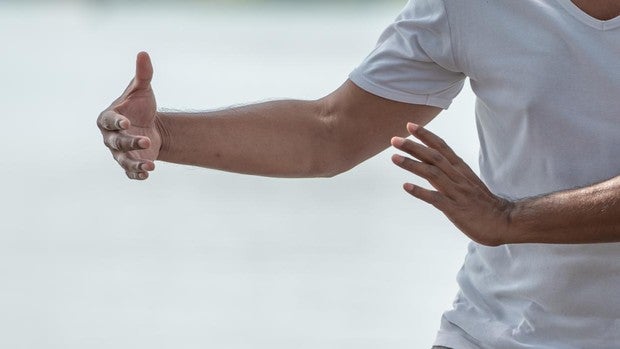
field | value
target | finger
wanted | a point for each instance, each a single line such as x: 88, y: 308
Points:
x: 112, y: 121
x: 144, y: 71
x: 131, y: 164
x: 139, y: 176
x: 142, y: 79
x: 124, y: 142
x: 429, y: 196
x: 433, y: 141
x: 431, y: 173
x: 128, y: 163
x: 429, y: 156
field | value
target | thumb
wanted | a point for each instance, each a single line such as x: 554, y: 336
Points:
x: 142, y: 80
x: 144, y: 71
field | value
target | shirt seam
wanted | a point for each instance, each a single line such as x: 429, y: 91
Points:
x: 445, y: 8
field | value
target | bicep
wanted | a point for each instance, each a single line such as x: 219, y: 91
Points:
x: 364, y: 123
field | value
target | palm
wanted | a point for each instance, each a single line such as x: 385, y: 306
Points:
x: 130, y: 126
x: 140, y: 108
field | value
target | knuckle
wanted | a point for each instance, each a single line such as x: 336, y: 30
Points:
x: 113, y: 142
x: 433, y: 172
x: 120, y: 142
x: 136, y: 166
x: 99, y: 119
x: 101, y: 123
x: 463, y: 189
x: 137, y: 175
x: 441, y: 144
x: 123, y: 161
x: 413, y: 166
x: 407, y: 164
x: 408, y: 145
x: 436, y: 157
x: 436, y: 199
x: 104, y: 121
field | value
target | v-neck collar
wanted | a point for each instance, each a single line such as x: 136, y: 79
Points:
x: 587, y: 19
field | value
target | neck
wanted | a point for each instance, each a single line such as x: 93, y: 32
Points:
x: 599, y: 9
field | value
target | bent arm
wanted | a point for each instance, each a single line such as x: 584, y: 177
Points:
x: 579, y: 216
x: 290, y: 138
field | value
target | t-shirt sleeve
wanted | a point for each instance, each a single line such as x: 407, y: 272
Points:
x: 413, y: 61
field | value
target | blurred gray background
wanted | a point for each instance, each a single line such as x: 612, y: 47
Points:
x: 195, y: 258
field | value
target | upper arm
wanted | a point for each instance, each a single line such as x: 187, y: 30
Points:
x: 363, y: 123
x: 410, y: 76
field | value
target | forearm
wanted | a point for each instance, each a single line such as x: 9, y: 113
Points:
x: 579, y: 216
x: 279, y: 139
x: 290, y: 138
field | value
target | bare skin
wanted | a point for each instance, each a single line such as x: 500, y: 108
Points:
x: 600, y: 9
x: 578, y: 216
x: 129, y: 126
x: 328, y: 136
x: 320, y: 138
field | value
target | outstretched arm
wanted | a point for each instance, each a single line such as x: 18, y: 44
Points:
x: 289, y: 138
x: 578, y: 216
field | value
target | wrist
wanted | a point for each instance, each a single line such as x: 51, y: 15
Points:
x: 516, y: 230
x: 162, y: 125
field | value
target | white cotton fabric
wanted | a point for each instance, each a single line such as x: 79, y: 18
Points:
x: 547, y: 80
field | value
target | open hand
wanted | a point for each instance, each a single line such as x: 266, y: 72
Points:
x: 130, y: 126
x: 459, y: 194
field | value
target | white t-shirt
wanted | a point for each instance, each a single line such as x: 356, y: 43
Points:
x: 547, y: 80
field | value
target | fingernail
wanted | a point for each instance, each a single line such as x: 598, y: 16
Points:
x: 143, y: 143
x: 398, y: 159
x: 413, y: 127
x: 397, y: 141
x: 409, y: 186
x: 122, y: 124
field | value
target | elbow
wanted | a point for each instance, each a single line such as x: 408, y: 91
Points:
x: 332, y: 155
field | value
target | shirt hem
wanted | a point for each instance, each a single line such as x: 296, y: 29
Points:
x: 452, y: 340
x: 361, y: 81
